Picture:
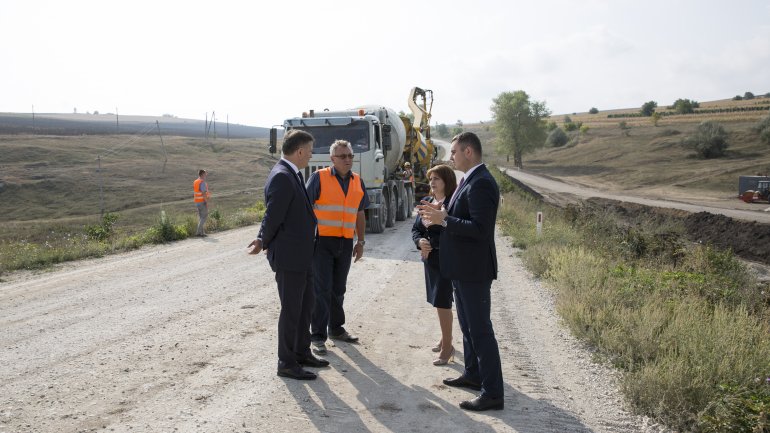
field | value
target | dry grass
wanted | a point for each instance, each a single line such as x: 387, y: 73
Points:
x: 50, y: 185
x: 688, y: 329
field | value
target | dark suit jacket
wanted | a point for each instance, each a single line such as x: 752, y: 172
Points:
x: 289, y: 225
x: 468, y: 242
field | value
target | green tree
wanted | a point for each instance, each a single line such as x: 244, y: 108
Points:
x: 748, y: 95
x: 456, y: 130
x: 520, y: 124
x: 410, y: 116
x: 648, y: 108
x: 593, y: 110
x: 685, y: 106
x: 442, y: 130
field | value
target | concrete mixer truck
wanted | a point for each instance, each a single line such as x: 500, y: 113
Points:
x: 383, y: 142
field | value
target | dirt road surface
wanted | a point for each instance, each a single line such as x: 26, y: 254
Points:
x: 182, y: 337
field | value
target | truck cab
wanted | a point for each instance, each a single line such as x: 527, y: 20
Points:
x: 370, y: 133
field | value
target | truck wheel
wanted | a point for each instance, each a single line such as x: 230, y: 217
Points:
x: 390, y: 198
x: 402, y: 208
x: 377, y: 223
x: 409, y: 202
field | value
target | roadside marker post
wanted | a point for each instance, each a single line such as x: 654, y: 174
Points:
x: 539, y: 224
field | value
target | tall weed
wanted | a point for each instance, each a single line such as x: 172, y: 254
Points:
x: 688, y: 324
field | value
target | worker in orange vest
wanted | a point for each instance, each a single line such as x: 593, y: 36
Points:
x: 408, y: 173
x: 201, y: 197
x: 339, y: 199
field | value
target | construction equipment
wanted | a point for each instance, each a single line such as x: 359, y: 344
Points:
x: 760, y: 194
x: 382, y: 141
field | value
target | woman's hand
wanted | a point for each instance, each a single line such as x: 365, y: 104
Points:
x: 425, y: 248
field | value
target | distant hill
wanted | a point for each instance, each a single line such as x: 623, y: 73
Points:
x: 621, y: 151
x: 100, y: 124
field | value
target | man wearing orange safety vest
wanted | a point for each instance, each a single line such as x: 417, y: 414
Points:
x: 201, y: 197
x: 408, y: 173
x: 339, y: 199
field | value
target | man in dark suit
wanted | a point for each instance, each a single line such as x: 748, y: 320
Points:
x: 468, y: 257
x: 288, y: 234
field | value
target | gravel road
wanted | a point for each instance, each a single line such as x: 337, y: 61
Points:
x: 182, y: 337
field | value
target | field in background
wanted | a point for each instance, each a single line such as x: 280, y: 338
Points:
x: 650, y: 160
x: 50, y: 185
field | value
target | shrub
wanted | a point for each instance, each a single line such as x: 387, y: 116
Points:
x: 166, y: 231
x: 710, y: 140
x: 570, y: 126
x: 102, y: 231
x: 737, y: 98
x: 593, y: 110
x: 764, y: 136
x: 557, y: 138
x: 648, y: 108
x: 763, y: 128
x: 748, y: 95
x: 584, y: 129
x: 550, y: 126
x: 567, y: 119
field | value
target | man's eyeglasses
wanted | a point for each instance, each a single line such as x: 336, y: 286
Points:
x: 345, y: 156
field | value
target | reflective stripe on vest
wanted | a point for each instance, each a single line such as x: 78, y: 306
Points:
x: 197, y: 194
x: 336, y: 212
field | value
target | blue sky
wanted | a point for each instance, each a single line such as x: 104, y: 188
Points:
x: 259, y: 62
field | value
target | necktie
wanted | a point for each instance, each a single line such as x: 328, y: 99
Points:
x: 454, y: 196
x: 301, y: 179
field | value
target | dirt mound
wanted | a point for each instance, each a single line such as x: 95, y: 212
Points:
x: 750, y: 240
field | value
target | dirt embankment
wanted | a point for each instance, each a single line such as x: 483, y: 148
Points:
x: 747, y: 239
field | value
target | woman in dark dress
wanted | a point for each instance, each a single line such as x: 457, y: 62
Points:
x: 443, y: 183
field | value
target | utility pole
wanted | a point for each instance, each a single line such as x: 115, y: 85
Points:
x: 214, y: 121
x: 101, y: 189
x: 163, y: 146
x: 117, y: 121
x: 33, y: 116
x: 228, y: 127
x: 206, y: 127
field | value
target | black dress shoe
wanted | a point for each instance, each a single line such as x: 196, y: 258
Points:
x: 296, y: 373
x: 345, y: 336
x: 482, y: 403
x: 312, y: 361
x: 463, y: 382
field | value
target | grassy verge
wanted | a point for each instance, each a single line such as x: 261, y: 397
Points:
x: 63, y: 244
x: 687, y: 324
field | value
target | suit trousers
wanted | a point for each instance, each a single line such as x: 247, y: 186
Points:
x: 296, y: 292
x: 331, y: 264
x: 482, y: 356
